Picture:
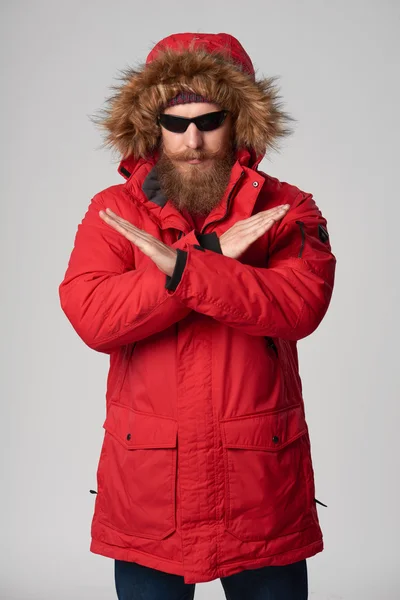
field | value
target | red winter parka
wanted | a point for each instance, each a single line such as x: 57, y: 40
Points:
x: 205, y: 468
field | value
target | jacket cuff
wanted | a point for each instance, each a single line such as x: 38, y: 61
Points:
x: 173, y: 280
x: 210, y: 241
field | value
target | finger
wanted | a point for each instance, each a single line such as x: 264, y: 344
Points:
x: 267, y: 213
x: 115, y: 216
x: 277, y: 210
x: 147, y: 243
x: 254, y: 220
x: 131, y: 235
x: 257, y: 232
x: 122, y: 221
x: 261, y: 228
x: 124, y: 226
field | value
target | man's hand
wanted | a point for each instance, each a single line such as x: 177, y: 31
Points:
x: 233, y: 242
x: 243, y: 233
x: 163, y: 256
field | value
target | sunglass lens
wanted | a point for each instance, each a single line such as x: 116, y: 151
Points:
x: 206, y: 122
x: 174, y: 124
x: 211, y: 121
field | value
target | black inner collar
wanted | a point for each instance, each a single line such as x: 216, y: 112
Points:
x: 151, y: 187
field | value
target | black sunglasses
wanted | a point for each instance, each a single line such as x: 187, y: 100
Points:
x: 206, y: 122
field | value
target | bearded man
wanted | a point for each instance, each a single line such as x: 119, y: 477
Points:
x: 198, y: 275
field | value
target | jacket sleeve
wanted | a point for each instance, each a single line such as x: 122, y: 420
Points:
x: 287, y: 299
x: 106, y: 299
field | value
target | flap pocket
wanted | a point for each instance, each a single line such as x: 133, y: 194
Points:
x: 137, y: 473
x: 269, y: 479
x: 136, y: 429
x: 269, y: 431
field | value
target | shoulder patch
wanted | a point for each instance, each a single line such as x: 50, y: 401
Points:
x: 323, y: 233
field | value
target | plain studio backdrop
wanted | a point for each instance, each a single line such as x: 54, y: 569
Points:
x: 338, y: 68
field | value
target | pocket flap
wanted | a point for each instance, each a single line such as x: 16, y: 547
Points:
x: 136, y: 429
x: 264, y: 431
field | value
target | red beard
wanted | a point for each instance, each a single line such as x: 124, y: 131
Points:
x: 197, y: 190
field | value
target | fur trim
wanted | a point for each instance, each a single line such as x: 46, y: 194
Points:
x: 129, y: 118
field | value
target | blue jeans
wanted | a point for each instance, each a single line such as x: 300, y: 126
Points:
x: 288, y: 582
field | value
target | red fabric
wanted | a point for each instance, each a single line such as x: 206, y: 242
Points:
x: 213, y: 42
x: 205, y: 468
x: 196, y: 221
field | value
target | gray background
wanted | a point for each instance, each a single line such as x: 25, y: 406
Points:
x: 338, y: 64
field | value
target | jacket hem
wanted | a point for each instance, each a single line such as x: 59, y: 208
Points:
x: 274, y: 560
x: 222, y: 570
x: 142, y: 558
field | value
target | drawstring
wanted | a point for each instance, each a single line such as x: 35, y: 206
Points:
x: 320, y: 503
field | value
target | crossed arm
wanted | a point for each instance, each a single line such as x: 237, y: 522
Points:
x: 110, y: 304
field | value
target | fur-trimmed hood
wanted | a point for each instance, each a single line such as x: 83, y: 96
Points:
x: 213, y: 65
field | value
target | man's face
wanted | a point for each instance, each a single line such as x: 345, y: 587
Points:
x: 194, y: 166
x: 193, y: 144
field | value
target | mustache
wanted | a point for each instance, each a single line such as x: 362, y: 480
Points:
x: 191, y: 155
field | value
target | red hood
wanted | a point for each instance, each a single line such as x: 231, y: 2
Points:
x: 213, y: 65
x: 222, y: 43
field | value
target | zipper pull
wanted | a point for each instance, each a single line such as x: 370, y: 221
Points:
x: 271, y: 344
x: 93, y: 491
x: 303, y: 238
x: 320, y: 503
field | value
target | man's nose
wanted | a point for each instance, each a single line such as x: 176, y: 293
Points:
x: 193, y: 137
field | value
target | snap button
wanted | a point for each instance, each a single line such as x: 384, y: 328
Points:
x: 275, y: 439
x: 255, y: 183
x: 128, y: 437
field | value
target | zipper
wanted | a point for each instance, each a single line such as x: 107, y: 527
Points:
x: 303, y: 237
x: 128, y: 349
x: 227, y: 205
x: 271, y: 344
